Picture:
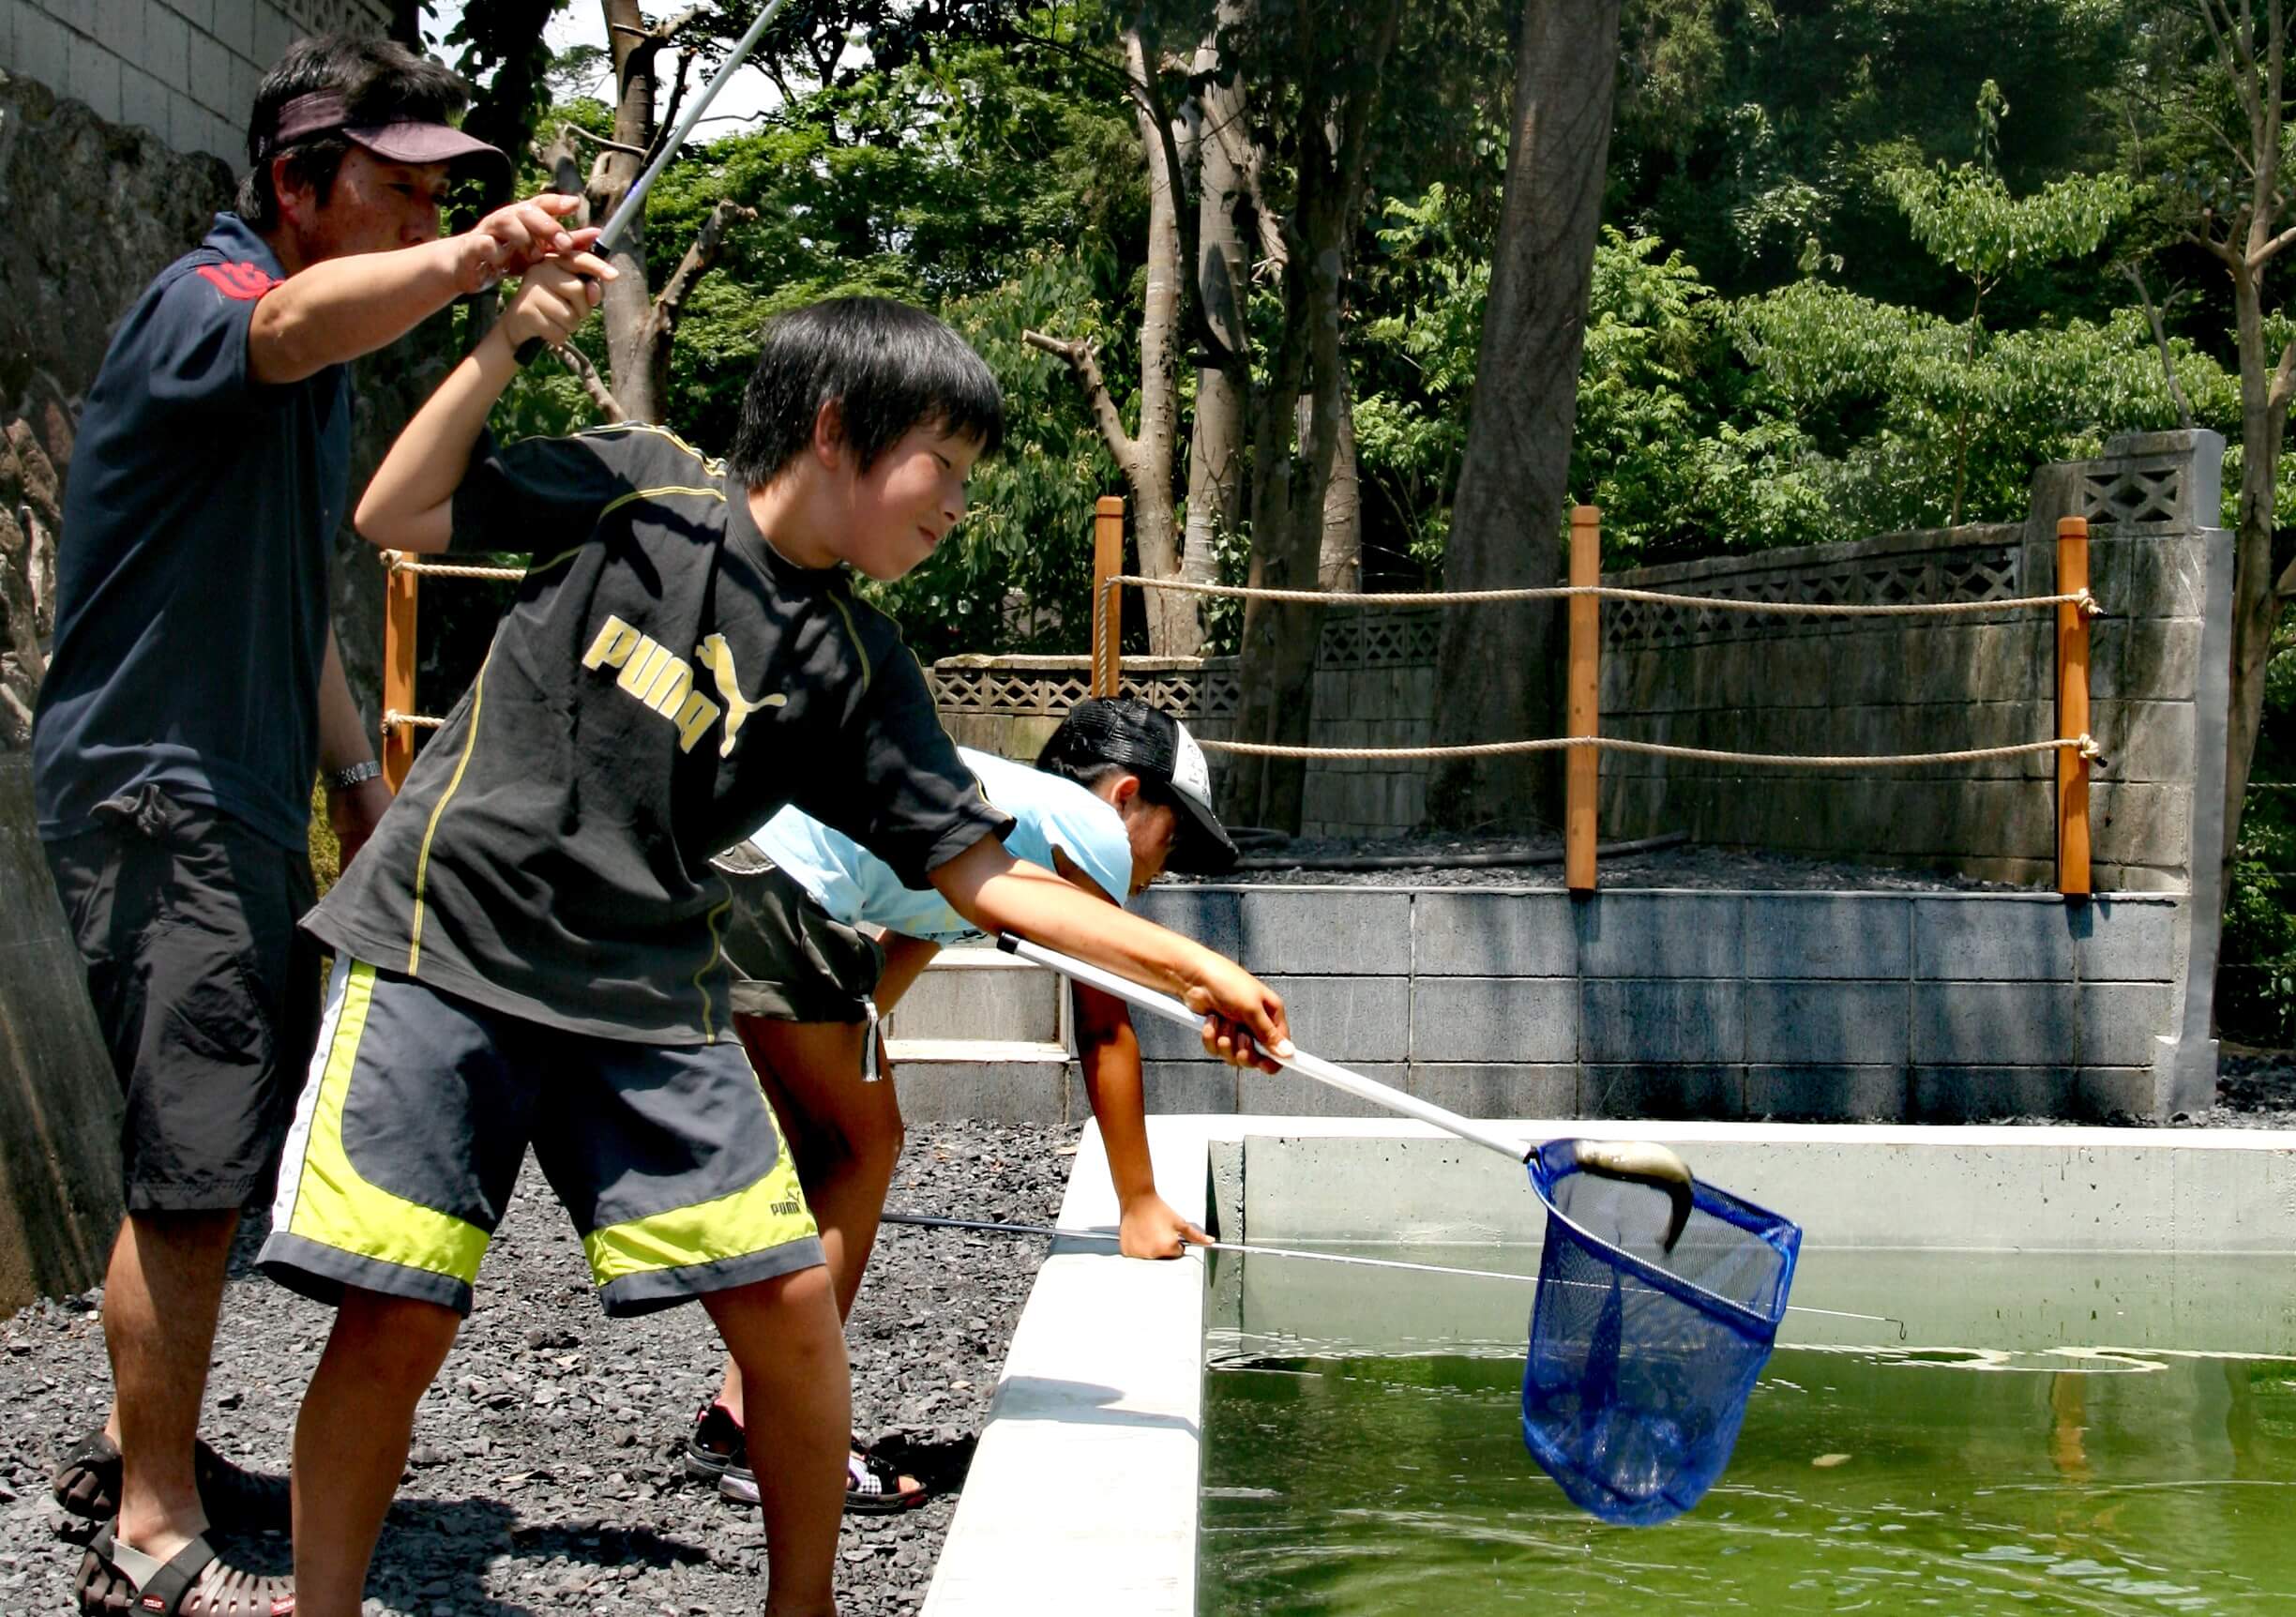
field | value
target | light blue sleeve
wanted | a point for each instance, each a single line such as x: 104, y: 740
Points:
x: 855, y: 887
x: 1091, y: 833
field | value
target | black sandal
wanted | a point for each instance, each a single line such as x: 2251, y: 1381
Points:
x: 194, y: 1582
x: 718, y: 1450
x: 874, y: 1487
x: 87, y: 1486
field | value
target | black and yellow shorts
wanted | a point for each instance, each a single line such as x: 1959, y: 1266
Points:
x: 420, y: 1105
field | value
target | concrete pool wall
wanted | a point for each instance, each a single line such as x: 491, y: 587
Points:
x: 1083, y: 1492
x: 1833, y: 1006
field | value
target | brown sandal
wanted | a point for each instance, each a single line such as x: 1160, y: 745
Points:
x: 117, y: 1578
x: 87, y: 1486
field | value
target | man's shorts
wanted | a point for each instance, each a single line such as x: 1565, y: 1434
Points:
x: 408, y: 1138
x: 793, y: 960
x: 206, y: 994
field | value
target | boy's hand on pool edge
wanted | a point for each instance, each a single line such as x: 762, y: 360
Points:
x: 1244, y: 1018
x: 1152, y: 1229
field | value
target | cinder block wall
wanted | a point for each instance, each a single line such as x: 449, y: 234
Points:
x: 1946, y: 1008
x: 185, y: 69
x: 1905, y: 685
x: 1851, y: 686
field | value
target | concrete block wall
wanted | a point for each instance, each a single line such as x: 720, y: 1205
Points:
x: 1810, y: 686
x: 185, y: 69
x: 1945, y: 1007
x: 1879, y: 686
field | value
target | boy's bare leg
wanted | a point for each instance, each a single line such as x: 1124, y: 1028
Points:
x: 785, y: 1335
x: 351, y: 1439
x: 845, y: 1136
x: 162, y: 1292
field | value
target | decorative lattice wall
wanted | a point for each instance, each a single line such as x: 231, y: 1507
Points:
x: 1752, y: 683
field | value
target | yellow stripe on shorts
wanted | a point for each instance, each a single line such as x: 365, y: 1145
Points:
x: 336, y: 1207
x: 769, y: 1214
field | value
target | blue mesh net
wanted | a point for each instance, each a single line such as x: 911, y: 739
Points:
x: 1641, y: 1359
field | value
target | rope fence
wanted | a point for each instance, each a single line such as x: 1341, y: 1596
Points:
x: 2084, y: 745
x: 2081, y: 598
x: 2074, y: 748
x: 398, y: 562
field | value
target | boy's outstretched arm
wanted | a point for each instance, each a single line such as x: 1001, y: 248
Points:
x: 998, y: 892
x: 1108, y: 1051
x: 341, y: 307
x: 410, y: 504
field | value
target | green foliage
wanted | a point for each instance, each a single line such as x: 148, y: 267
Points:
x: 1965, y: 217
x: 1418, y: 357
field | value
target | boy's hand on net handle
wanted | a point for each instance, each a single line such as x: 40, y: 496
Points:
x: 556, y: 297
x: 1244, y: 1018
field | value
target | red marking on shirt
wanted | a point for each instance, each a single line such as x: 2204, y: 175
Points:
x: 244, y: 282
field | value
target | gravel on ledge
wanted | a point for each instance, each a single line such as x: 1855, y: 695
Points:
x: 1687, y: 865
x: 545, y: 1473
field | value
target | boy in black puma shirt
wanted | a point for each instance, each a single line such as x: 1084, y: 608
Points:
x: 529, y: 947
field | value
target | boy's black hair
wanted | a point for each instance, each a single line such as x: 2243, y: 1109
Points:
x: 1064, y: 756
x: 381, y: 82
x: 888, y: 366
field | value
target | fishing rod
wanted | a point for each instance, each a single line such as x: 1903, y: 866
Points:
x: 633, y: 201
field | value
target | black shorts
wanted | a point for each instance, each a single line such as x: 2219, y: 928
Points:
x: 793, y: 960
x: 410, y: 1131
x: 206, y: 993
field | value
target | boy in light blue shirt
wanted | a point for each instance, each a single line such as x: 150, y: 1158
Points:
x: 1119, y: 794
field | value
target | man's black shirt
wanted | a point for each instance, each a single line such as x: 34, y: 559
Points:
x: 191, y: 605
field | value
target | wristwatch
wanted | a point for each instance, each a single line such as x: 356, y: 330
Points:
x: 343, y: 779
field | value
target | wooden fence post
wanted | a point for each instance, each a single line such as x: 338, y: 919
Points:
x: 2072, y: 707
x: 399, y: 585
x: 1108, y: 603
x: 1582, y: 764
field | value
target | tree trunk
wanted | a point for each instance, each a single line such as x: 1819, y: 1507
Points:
x: 1173, y: 629
x: 1495, y: 665
x: 1223, y: 274
x: 1276, y: 671
x: 639, y: 364
x: 2258, y: 598
x: 1339, y: 560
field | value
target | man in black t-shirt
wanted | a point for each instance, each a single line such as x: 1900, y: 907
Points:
x: 193, y: 693
x: 529, y: 950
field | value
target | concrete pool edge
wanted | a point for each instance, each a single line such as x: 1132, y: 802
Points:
x: 1085, y: 1485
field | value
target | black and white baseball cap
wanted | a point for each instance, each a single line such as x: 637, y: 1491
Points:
x: 1153, y: 745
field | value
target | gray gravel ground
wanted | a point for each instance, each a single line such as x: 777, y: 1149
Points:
x: 545, y: 1475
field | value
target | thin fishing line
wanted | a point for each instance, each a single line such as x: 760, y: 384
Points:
x: 931, y: 1221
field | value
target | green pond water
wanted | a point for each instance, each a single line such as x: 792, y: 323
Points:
x: 2047, y: 1471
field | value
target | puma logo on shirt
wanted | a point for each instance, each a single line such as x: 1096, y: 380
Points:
x: 656, y: 675
x: 718, y: 656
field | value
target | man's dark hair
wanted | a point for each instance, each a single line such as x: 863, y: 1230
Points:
x: 381, y: 82
x: 888, y: 367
